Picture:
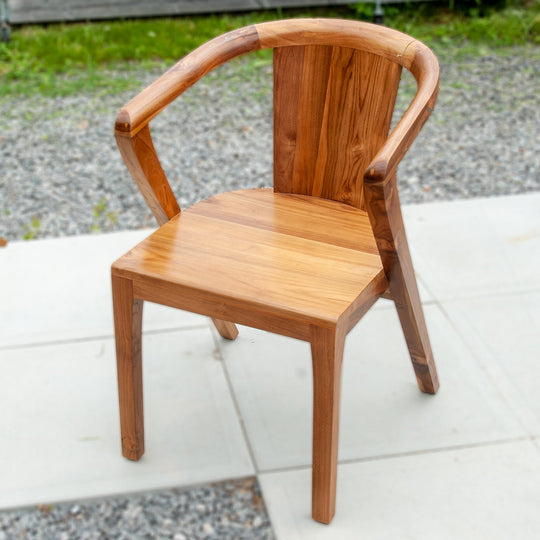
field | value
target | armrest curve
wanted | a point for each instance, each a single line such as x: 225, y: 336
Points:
x: 132, y: 129
x: 153, y: 99
x: 425, y: 69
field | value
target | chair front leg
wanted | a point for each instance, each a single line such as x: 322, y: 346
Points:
x: 327, y: 356
x: 128, y: 333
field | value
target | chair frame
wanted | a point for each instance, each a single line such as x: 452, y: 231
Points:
x: 381, y: 202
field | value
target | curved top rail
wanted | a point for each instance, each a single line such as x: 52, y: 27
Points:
x: 186, y: 72
x: 391, y: 44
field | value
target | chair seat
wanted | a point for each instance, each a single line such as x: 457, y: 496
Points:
x: 284, y: 255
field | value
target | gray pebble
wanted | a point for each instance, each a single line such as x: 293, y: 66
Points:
x: 61, y: 173
x: 226, y: 510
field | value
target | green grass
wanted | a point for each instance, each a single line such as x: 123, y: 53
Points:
x: 63, y: 59
x: 32, y: 229
x: 517, y: 24
x: 36, y: 55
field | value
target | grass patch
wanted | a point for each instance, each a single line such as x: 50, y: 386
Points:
x: 468, y: 34
x: 32, y: 229
x: 63, y: 59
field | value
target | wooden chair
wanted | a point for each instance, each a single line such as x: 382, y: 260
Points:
x: 308, y: 258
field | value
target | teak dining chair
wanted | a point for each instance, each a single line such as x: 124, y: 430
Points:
x: 308, y: 258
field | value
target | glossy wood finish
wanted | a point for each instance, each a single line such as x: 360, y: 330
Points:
x: 387, y: 223
x: 390, y: 44
x: 128, y: 332
x: 330, y: 118
x: 296, y: 215
x: 327, y: 358
x: 143, y: 163
x: 153, y: 99
x: 294, y: 257
x: 141, y: 159
x: 296, y: 261
x: 226, y: 329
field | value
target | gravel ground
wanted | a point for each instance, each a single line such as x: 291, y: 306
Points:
x: 61, y: 174
x: 224, y: 511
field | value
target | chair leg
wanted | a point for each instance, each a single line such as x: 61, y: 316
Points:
x: 387, y: 222
x: 404, y: 291
x: 226, y: 329
x: 128, y: 332
x: 327, y: 356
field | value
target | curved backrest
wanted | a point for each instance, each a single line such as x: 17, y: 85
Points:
x: 335, y: 84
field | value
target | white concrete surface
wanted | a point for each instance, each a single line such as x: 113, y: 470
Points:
x: 477, y: 247
x: 271, y: 376
x: 487, y: 492
x: 59, y: 423
x: 462, y: 464
x: 59, y: 289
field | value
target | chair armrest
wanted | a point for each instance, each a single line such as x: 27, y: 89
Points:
x: 132, y: 131
x: 425, y: 68
x: 380, y: 184
x: 143, y: 164
x: 186, y: 72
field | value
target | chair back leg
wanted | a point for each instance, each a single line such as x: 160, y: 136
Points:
x: 226, y: 329
x: 327, y: 356
x: 411, y: 316
x: 387, y: 222
x: 128, y: 332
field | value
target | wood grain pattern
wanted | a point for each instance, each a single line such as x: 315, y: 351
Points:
x: 426, y: 71
x: 310, y: 218
x: 128, y: 333
x: 190, y: 299
x: 299, y: 98
x: 387, y: 222
x: 153, y: 99
x: 269, y: 271
x: 142, y: 162
x: 390, y: 44
x: 226, y: 329
x: 332, y: 112
x: 387, y: 43
x: 304, y: 260
x: 327, y: 359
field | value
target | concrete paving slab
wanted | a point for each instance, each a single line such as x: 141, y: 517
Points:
x: 383, y: 412
x: 476, y: 247
x: 477, y: 264
x: 59, y: 425
x: 504, y: 332
x: 59, y: 289
x: 475, y: 493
